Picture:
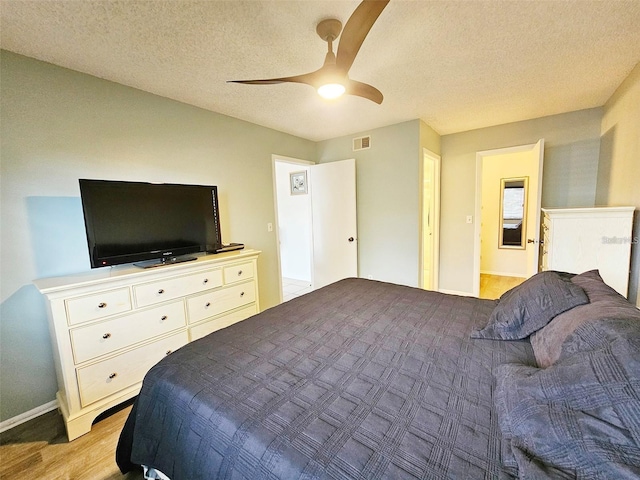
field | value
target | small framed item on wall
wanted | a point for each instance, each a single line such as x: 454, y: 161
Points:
x: 298, y: 183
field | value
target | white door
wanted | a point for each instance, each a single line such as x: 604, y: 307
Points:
x: 533, y: 225
x: 430, y: 220
x: 333, y: 212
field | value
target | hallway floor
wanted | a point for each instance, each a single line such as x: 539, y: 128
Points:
x: 292, y: 288
x: 492, y: 286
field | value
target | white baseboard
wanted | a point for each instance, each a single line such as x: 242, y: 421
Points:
x: 456, y: 292
x: 26, y: 416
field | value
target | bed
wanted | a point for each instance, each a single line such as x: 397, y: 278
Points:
x: 369, y: 380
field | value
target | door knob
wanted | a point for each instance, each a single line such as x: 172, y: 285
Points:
x: 351, y: 239
x: 530, y: 240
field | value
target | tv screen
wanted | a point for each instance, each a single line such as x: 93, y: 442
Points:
x: 135, y: 221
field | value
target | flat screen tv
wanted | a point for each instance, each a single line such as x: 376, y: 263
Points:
x: 152, y: 223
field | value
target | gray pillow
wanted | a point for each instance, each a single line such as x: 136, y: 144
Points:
x: 579, y: 418
x: 595, y: 288
x: 531, y: 305
x: 605, y: 303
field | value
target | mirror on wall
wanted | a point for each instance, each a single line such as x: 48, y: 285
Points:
x: 513, y: 208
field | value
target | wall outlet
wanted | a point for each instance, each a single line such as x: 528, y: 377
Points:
x: 469, y: 218
x: 269, y: 227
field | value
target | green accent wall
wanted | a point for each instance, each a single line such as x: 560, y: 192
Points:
x: 57, y: 126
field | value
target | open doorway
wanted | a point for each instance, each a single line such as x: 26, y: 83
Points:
x: 293, y: 226
x: 316, y: 223
x: 508, y: 202
x: 430, y: 221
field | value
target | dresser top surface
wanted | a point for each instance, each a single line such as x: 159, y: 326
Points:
x: 133, y: 273
x: 585, y: 210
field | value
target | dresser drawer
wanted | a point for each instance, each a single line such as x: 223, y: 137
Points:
x: 111, y: 335
x: 220, y: 301
x: 175, y: 287
x: 98, y: 305
x: 237, y: 273
x: 110, y: 376
x: 205, y: 328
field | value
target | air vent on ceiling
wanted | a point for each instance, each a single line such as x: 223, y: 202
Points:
x: 361, y: 143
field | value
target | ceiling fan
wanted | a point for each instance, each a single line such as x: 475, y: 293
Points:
x: 332, y: 79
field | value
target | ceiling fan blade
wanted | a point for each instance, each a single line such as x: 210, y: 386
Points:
x: 306, y: 78
x: 356, y: 30
x: 364, y: 90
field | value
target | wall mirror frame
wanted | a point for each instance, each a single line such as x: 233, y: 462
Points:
x: 513, y: 213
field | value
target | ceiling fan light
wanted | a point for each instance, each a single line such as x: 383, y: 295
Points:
x: 331, y: 90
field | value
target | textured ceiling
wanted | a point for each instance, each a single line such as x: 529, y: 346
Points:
x: 457, y: 65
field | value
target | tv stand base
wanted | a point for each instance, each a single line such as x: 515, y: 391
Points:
x: 164, y: 261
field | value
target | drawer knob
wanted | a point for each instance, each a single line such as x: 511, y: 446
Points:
x: 163, y: 318
x: 242, y: 294
x: 106, y: 335
x: 207, y: 305
x: 239, y: 272
x: 206, y: 280
x: 102, y: 305
x: 113, y: 375
x: 161, y: 291
x: 168, y: 352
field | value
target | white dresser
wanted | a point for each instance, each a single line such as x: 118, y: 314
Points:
x: 110, y: 326
x: 581, y: 239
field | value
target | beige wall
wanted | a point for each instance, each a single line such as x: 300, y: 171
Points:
x: 619, y: 167
x: 572, y: 144
x: 429, y: 139
x: 505, y: 261
x: 57, y: 126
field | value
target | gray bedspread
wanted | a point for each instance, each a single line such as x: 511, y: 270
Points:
x: 358, y: 380
x: 579, y: 418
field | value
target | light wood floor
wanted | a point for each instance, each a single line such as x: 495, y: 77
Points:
x: 39, y: 449
x: 492, y: 286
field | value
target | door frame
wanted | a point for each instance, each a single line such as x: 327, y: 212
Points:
x: 296, y: 161
x: 478, y: 207
x: 435, y: 267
